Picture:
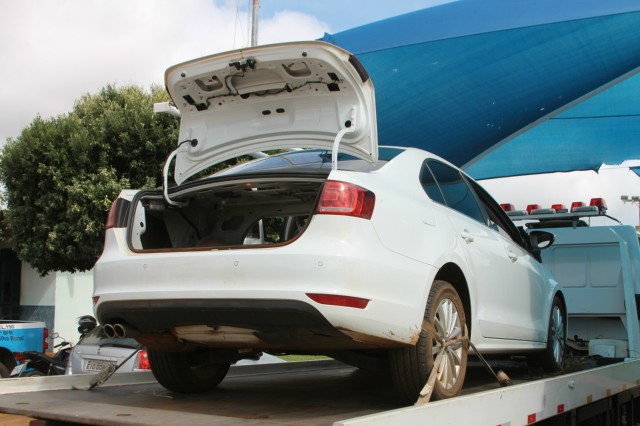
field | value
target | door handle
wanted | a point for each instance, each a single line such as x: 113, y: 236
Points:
x: 466, y: 235
x: 512, y: 255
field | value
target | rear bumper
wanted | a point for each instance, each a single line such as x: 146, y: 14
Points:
x: 275, y: 323
x: 264, y: 290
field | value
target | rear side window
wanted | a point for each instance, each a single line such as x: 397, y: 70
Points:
x: 430, y: 186
x: 452, y: 187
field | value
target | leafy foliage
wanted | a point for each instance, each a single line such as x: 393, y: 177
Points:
x: 61, y: 174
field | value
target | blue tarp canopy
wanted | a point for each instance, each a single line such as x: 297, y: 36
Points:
x: 463, y: 79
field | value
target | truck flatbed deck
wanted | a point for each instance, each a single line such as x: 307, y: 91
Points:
x: 313, y: 393
x: 309, y: 393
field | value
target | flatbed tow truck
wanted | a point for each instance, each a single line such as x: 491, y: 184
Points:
x: 600, y: 269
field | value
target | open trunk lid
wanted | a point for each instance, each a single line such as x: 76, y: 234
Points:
x: 283, y: 96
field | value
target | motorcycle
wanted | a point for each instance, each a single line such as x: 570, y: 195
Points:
x: 40, y: 364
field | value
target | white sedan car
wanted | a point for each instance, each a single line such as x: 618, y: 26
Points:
x: 333, y: 246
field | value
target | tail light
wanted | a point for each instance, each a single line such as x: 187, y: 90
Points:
x: 143, y: 360
x: 346, y: 199
x: 20, y: 358
x: 118, y: 214
x: 45, y: 339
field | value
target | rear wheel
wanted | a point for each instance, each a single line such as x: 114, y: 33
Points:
x: 553, y: 357
x: 182, y: 372
x: 410, y: 367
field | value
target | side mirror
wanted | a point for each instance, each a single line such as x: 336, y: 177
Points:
x: 541, y: 240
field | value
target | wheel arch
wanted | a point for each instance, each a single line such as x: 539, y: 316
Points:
x: 560, y: 295
x: 452, y: 273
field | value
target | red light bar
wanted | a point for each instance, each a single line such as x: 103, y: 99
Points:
x: 559, y: 208
x: 600, y: 203
x: 577, y: 204
x: 531, y: 207
x: 508, y: 207
x: 339, y: 300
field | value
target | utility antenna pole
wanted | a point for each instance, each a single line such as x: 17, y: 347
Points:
x: 254, y: 23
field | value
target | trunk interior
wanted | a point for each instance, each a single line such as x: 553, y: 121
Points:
x: 232, y: 212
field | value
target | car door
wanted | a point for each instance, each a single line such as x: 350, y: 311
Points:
x: 527, y: 273
x: 503, y: 289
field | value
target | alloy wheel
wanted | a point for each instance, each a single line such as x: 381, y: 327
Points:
x: 448, y: 326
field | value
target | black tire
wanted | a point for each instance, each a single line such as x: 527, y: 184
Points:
x: 177, y: 372
x: 4, y: 371
x: 553, y: 357
x: 410, y: 367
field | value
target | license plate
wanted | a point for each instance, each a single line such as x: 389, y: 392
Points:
x: 96, y: 365
x: 17, y: 369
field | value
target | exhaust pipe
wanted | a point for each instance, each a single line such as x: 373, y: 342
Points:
x: 109, y: 331
x: 119, y: 331
x: 123, y: 330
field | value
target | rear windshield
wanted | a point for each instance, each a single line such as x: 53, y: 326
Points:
x: 313, y: 159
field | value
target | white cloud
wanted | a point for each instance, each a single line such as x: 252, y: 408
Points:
x: 54, y: 52
x: 287, y: 25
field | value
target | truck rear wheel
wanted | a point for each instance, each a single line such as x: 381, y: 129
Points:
x: 410, y: 367
x: 181, y: 372
x: 4, y: 371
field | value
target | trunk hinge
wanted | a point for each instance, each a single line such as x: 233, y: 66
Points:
x: 350, y: 128
x: 165, y: 173
x: 168, y: 108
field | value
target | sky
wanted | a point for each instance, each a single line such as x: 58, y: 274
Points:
x: 53, y: 52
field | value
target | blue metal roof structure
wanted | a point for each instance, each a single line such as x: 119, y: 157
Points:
x: 463, y: 79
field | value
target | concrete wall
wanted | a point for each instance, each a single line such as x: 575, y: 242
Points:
x: 73, y: 299
x: 58, y: 299
x: 37, y: 296
x: 36, y: 290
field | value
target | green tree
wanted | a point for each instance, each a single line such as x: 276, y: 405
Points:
x: 62, y: 174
